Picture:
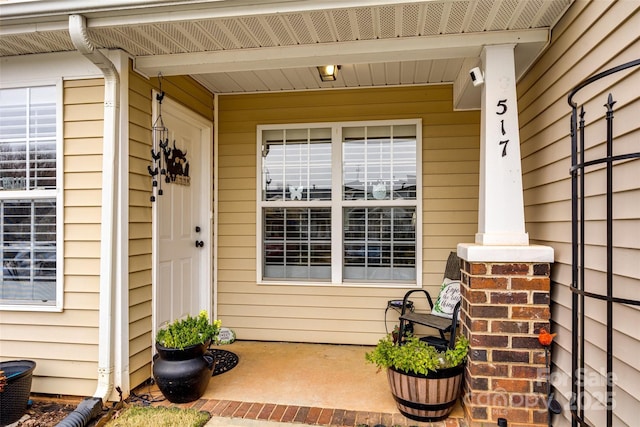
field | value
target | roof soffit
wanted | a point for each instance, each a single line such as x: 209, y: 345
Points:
x: 275, y: 45
x: 353, y: 52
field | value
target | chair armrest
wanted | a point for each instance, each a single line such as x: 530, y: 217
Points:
x: 406, y: 298
x: 454, y: 324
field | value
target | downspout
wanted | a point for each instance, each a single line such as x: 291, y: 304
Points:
x: 80, y: 39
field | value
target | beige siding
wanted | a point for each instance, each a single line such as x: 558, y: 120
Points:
x: 68, y: 363
x: 140, y: 324
x: 592, y: 37
x: 64, y: 345
x: 186, y: 91
x: 337, y: 314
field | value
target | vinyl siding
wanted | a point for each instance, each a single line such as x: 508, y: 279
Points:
x: 65, y: 345
x: 337, y: 314
x: 189, y: 93
x: 591, y: 37
x: 140, y: 245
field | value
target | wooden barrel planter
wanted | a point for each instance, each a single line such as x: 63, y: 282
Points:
x: 428, y: 397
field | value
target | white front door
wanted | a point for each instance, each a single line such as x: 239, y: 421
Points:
x: 182, y: 219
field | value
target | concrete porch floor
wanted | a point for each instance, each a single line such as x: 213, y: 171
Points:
x: 278, y: 383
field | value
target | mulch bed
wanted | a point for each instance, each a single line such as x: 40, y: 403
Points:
x: 46, y: 411
x: 46, y: 414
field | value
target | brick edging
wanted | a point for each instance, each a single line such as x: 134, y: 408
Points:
x: 303, y: 414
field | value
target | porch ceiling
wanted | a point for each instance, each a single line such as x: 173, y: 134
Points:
x: 234, y: 46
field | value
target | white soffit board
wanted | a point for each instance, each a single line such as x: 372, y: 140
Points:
x: 354, y: 52
x: 254, y: 45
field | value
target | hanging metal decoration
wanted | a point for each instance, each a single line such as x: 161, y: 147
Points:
x: 160, y: 148
x: 177, y: 166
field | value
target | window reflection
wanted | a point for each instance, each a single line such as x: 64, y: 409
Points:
x: 376, y: 203
x: 28, y: 227
x: 296, y: 164
x: 379, y: 243
x: 297, y: 243
x: 379, y: 163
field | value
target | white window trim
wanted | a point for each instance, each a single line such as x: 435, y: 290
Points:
x: 336, y: 206
x: 59, y: 199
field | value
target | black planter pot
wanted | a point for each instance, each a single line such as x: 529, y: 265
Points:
x: 182, y: 375
x: 15, y: 397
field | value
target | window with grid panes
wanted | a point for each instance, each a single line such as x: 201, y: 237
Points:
x: 28, y: 195
x: 338, y: 203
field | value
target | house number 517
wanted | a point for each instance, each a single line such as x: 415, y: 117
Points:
x: 502, y: 109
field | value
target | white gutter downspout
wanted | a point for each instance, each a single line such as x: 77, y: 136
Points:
x: 80, y: 39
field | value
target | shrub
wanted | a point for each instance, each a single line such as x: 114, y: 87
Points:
x: 190, y: 331
x: 417, y: 356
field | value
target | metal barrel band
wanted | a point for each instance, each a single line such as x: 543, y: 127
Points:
x: 425, y: 406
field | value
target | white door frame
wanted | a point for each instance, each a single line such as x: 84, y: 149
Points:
x: 206, y: 162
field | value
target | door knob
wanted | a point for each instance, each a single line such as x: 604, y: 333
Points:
x: 199, y: 243
x: 197, y: 228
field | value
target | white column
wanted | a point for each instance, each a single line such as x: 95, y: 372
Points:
x: 501, y: 204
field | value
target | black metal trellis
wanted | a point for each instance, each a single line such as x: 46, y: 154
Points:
x: 579, y: 166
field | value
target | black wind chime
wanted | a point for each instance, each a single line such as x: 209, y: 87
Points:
x: 160, y: 149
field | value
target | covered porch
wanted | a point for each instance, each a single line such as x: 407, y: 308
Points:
x: 300, y: 383
x: 238, y: 54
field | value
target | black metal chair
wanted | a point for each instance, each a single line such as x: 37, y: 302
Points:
x: 443, y: 325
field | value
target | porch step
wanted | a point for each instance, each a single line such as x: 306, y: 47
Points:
x: 252, y: 414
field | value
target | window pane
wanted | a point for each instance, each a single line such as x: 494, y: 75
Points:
x: 28, y: 233
x: 297, y: 243
x: 13, y: 113
x: 42, y: 173
x: 28, y: 138
x: 296, y: 164
x: 379, y: 243
x: 42, y: 112
x: 404, y: 167
x: 13, y: 165
x: 28, y: 226
x: 379, y: 162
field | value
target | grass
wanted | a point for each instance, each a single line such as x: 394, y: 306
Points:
x: 147, y: 416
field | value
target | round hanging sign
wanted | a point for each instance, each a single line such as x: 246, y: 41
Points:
x: 379, y: 191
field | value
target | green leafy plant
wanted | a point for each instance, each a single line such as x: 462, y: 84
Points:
x: 417, y: 356
x: 190, y: 331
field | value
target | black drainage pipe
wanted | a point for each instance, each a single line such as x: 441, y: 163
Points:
x: 87, y: 410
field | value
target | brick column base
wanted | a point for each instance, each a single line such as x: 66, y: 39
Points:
x: 504, y: 305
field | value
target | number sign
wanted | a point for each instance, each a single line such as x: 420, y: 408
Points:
x: 502, y: 109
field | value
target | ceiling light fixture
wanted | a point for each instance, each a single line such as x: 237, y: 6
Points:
x: 329, y: 73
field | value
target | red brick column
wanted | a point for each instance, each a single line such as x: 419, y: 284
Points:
x: 504, y: 305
